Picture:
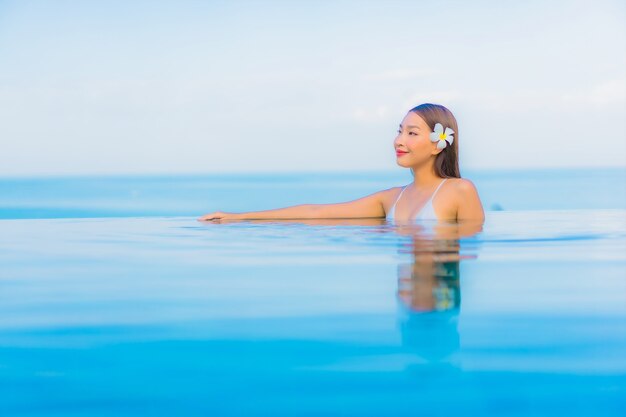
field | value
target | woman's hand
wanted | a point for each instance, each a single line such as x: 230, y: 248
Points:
x: 219, y: 215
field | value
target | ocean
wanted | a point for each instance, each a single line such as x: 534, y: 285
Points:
x: 115, y: 301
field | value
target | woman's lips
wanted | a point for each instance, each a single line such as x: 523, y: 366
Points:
x: 400, y: 153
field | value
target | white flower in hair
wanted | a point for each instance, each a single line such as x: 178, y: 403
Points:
x: 443, y: 137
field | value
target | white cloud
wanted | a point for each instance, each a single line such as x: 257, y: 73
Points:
x: 611, y: 92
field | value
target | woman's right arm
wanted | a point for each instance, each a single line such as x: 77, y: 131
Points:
x: 365, y: 207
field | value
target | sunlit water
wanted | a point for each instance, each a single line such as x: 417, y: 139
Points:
x: 166, y: 316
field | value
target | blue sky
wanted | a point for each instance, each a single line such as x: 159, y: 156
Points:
x: 112, y: 87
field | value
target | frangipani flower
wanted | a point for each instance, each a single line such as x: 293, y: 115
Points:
x: 443, y: 137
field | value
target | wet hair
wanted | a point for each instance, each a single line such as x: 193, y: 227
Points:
x: 447, y: 161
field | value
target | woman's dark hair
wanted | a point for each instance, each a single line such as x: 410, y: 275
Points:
x: 447, y: 161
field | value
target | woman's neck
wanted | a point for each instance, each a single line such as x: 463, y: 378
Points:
x: 424, y: 177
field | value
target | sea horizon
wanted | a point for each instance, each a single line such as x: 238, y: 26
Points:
x: 141, y: 195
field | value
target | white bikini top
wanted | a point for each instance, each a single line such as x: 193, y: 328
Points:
x: 426, y: 213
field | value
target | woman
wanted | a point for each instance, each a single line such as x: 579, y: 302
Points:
x: 427, y: 142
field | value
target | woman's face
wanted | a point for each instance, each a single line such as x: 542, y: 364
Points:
x: 412, y: 144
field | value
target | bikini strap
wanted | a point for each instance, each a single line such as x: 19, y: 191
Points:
x: 399, y: 195
x: 437, y: 189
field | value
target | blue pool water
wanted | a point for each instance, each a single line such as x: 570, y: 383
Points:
x: 114, y: 301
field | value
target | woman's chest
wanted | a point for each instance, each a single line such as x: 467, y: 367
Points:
x: 442, y: 206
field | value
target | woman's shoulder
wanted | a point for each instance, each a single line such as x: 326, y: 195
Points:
x: 392, y: 190
x: 462, y: 185
x: 464, y: 197
x: 460, y: 188
x: 389, y: 195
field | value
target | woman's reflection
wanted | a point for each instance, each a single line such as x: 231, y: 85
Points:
x: 429, y: 285
x: 429, y: 289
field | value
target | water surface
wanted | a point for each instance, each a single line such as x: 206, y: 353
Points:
x: 168, y: 316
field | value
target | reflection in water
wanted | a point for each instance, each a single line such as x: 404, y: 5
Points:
x: 427, y: 285
x: 429, y: 289
x: 431, y: 281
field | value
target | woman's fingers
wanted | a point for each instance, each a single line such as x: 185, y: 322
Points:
x: 218, y: 215
x: 212, y: 216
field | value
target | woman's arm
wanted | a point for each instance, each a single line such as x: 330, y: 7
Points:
x: 469, y: 205
x: 365, y: 207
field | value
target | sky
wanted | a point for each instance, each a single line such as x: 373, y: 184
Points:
x: 141, y: 87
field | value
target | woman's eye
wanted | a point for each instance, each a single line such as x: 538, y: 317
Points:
x: 412, y: 133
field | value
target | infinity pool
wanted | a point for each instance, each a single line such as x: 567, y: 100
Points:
x: 166, y: 316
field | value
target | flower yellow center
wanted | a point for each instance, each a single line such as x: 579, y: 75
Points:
x: 442, y: 136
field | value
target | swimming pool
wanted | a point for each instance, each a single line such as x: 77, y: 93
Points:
x: 168, y: 316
